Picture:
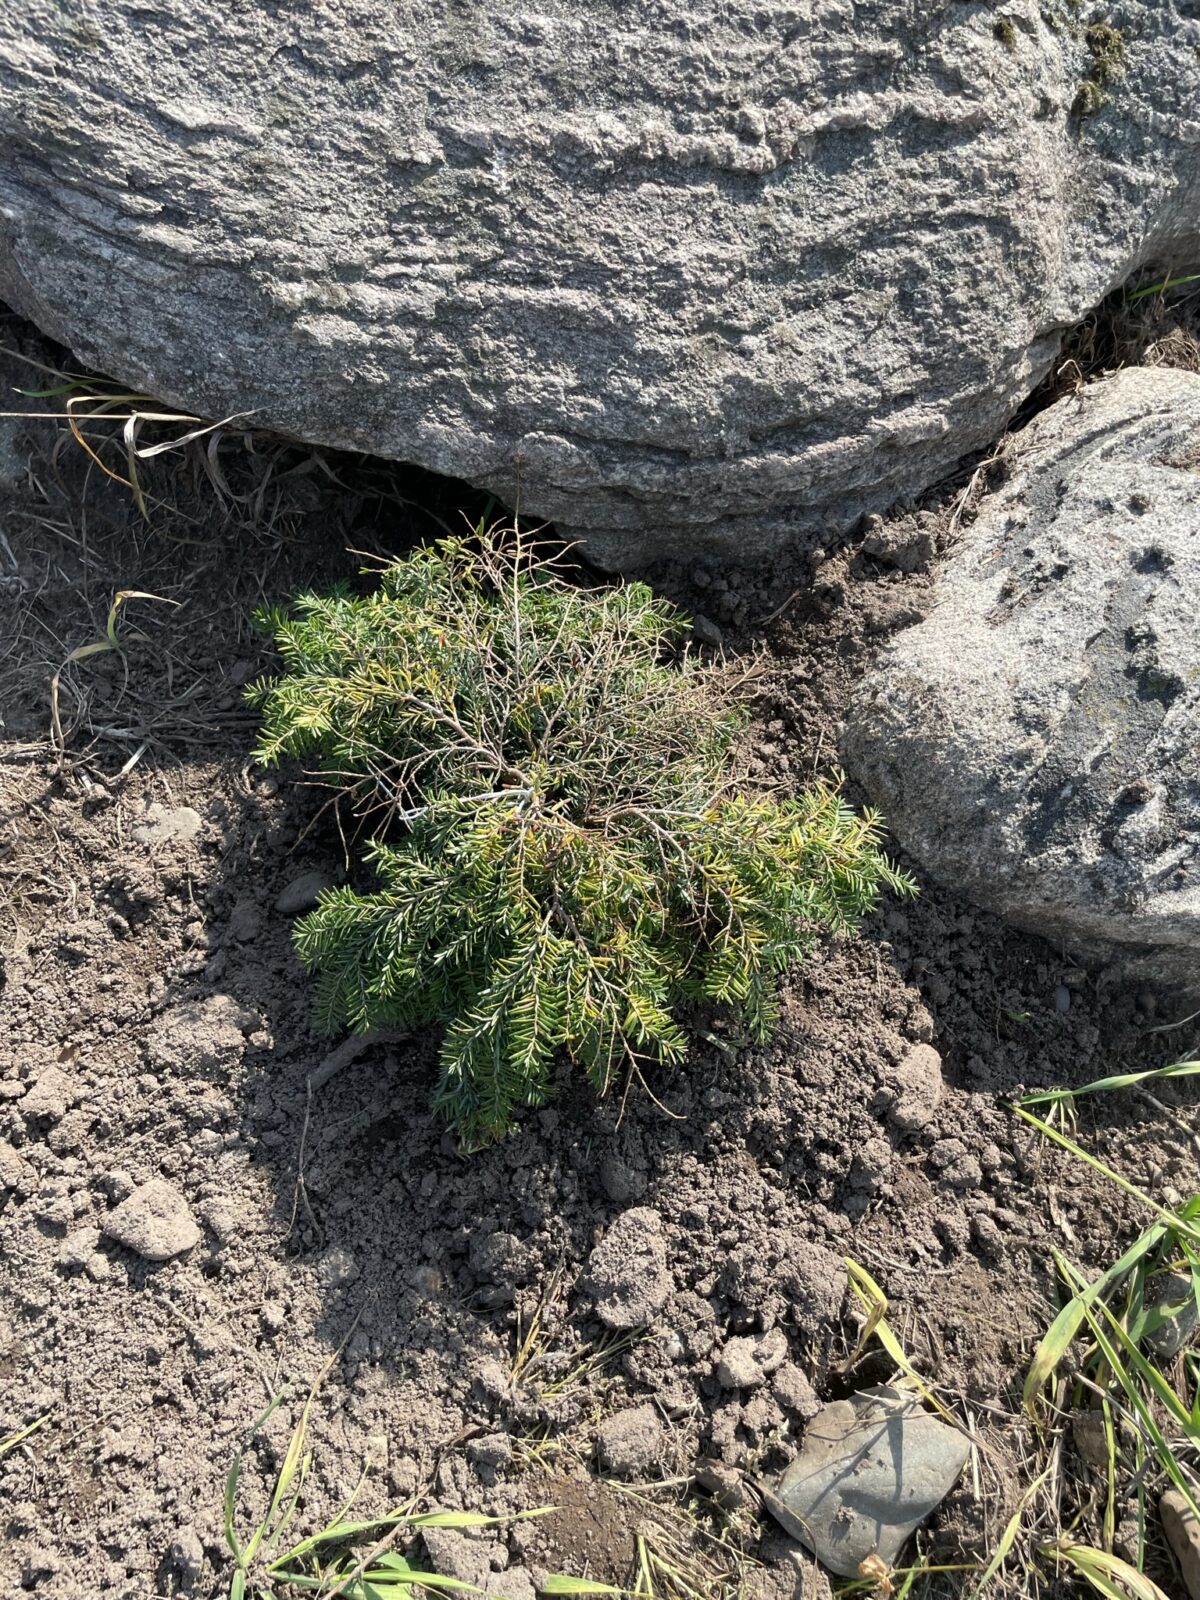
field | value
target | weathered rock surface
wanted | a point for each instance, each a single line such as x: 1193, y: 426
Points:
x: 1183, y: 1532
x: 690, y: 273
x: 872, y: 1468
x: 1034, y: 741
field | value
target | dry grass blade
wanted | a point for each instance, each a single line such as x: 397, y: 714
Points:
x: 1186, y: 1226
x: 1106, y: 1573
x: 12, y: 1440
x: 111, y: 641
x: 874, y: 1302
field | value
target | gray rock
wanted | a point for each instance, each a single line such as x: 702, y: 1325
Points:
x: 627, y: 1272
x: 631, y: 1443
x: 748, y: 1362
x: 161, y: 824
x: 301, y: 893
x: 1172, y: 1297
x: 1183, y: 1534
x: 919, y: 1078
x: 871, y: 1470
x: 687, y: 273
x: 154, y: 1222
x: 1032, y: 742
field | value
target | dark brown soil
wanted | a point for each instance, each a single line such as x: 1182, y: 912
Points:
x: 340, y: 1226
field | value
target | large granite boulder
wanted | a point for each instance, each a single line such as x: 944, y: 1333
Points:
x: 680, y: 274
x: 1035, y: 741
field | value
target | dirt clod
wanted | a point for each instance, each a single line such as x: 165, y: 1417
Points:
x: 154, y: 1222
x: 747, y: 1363
x: 627, y: 1271
x: 631, y: 1443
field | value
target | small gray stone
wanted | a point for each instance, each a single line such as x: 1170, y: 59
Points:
x: 1032, y: 740
x: 706, y: 630
x: 301, y: 893
x: 748, y: 1362
x: 872, y: 1468
x: 50, y: 1095
x: 154, y: 1222
x: 919, y: 1077
x: 78, y: 1248
x: 1172, y: 1296
x: 630, y: 1444
x: 161, y: 824
x: 1183, y: 1534
x: 627, y: 1271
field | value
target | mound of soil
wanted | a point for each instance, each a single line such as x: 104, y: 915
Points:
x: 188, y: 1223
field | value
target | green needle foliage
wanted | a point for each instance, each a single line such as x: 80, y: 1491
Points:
x: 565, y: 851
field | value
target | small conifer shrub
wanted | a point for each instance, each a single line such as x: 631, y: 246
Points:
x: 566, y: 855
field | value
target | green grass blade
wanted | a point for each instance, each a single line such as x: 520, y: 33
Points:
x: 1164, y: 284
x: 1181, y: 1223
x: 232, y: 1478
x: 1120, y: 1080
x: 1145, y: 1416
x: 1062, y: 1331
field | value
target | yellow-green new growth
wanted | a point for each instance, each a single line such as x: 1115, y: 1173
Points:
x: 565, y: 852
